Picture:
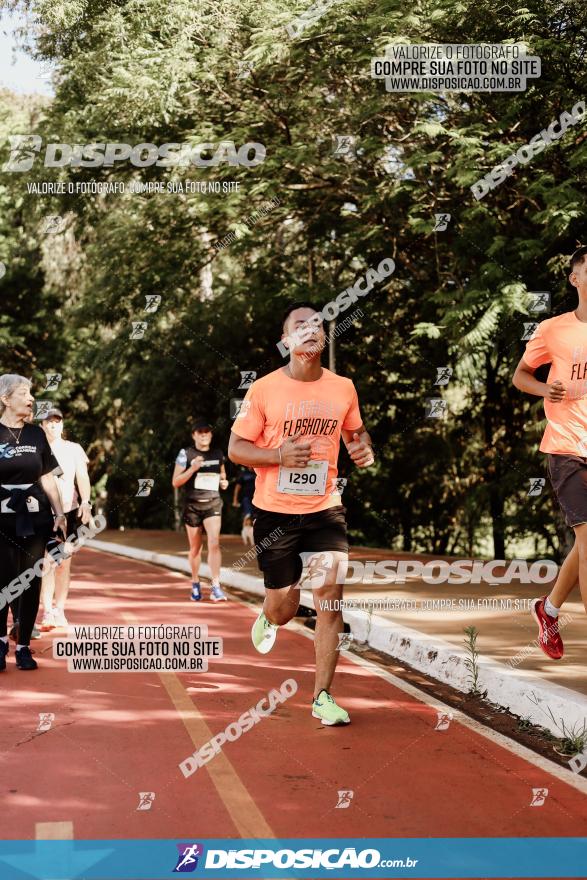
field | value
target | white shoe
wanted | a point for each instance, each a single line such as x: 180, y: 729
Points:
x: 48, y: 622
x: 59, y: 617
x: 263, y: 634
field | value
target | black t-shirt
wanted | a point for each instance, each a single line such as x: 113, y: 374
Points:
x: 21, y: 465
x: 201, y: 493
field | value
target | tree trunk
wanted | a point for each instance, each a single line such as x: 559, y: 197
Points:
x: 496, y: 502
x: 496, y: 507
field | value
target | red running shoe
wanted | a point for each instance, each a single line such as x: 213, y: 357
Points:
x: 549, y: 639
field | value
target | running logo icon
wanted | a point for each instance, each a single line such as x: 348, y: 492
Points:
x: 579, y: 761
x: 344, y: 799
x: 443, y: 720
x: 46, y: 719
x: 539, y: 795
x: 315, y: 568
x: 146, y: 799
x: 529, y: 330
x: 23, y: 152
x: 344, y: 640
x: 42, y: 407
x: 53, y: 224
x: 441, y: 222
x: 443, y: 374
x: 187, y: 860
x: 536, y: 486
x: 152, y: 302
x: 435, y: 408
x: 245, y: 69
x: 344, y: 145
x: 53, y: 380
x: 339, y: 486
x: 538, y: 301
x: 138, y: 329
x: 247, y: 378
x: 239, y: 407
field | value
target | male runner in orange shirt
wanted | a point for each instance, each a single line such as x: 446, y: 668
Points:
x: 562, y: 343
x: 289, y: 429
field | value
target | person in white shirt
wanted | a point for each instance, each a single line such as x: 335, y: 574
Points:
x: 73, y: 463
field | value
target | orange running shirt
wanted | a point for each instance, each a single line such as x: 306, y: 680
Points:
x: 275, y: 408
x: 562, y: 342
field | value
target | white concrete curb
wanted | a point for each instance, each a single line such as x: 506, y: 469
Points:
x: 505, y: 686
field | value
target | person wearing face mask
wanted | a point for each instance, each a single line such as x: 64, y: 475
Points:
x: 30, y: 512
x: 74, y: 488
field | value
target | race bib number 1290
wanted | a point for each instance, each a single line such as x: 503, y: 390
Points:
x: 310, y: 480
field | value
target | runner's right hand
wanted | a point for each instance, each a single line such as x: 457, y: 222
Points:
x: 197, y: 463
x: 556, y: 391
x: 295, y: 455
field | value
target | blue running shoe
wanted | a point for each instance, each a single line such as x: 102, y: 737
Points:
x: 196, y: 592
x: 217, y: 594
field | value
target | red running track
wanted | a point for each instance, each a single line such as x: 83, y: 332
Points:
x: 118, y: 734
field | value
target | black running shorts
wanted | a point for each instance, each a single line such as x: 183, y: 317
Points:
x: 281, y: 537
x: 568, y: 477
x: 195, y: 514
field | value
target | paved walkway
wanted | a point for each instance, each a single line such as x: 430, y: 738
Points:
x: 503, y: 631
x: 115, y: 735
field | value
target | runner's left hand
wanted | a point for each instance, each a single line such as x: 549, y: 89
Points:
x: 224, y: 484
x: 360, y: 452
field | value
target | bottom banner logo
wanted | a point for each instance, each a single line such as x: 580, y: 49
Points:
x: 187, y: 860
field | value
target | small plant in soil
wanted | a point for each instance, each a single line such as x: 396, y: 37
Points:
x: 572, y: 740
x: 472, y: 661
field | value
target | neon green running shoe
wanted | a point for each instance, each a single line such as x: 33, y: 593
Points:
x: 325, y: 708
x: 263, y: 634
